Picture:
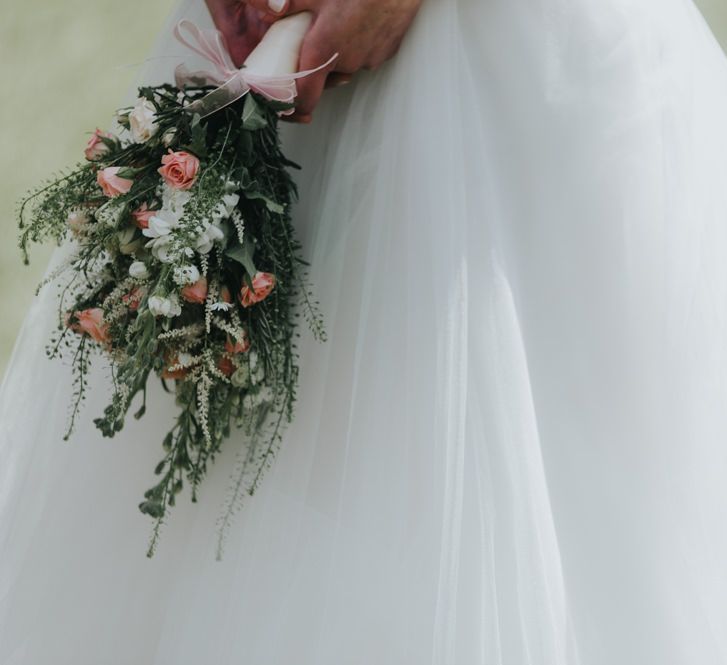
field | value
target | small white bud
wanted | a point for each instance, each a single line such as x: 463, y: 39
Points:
x: 138, y: 270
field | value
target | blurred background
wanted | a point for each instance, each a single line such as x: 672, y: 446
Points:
x: 76, y: 61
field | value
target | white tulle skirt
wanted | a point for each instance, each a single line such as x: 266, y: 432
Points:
x: 513, y: 448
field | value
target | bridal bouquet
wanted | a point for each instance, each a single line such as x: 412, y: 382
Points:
x: 185, y: 264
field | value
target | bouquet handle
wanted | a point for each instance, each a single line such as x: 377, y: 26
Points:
x: 278, y: 52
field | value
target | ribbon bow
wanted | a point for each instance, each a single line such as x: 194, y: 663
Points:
x: 233, y: 83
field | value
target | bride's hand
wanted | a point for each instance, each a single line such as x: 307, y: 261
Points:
x: 364, y: 33
x: 242, y: 25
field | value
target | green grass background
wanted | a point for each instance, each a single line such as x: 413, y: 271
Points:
x: 65, y: 65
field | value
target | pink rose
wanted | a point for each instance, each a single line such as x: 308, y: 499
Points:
x: 96, y: 148
x: 179, y: 169
x: 262, y: 284
x: 111, y: 183
x: 237, y: 346
x: 90, y: 321
x: 197, y: 292
x: 143, y: 215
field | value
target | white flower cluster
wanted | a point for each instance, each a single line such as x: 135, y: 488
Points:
x: 160, y: 305
x: 181, y: 242
x: 166, y: 232
x: 164, y: 222
x: 208, y: 231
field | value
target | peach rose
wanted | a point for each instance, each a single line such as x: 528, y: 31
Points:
x: 111, y: 183
x: 262, y: 284
x: 179, y: 169
x: 90, y: 322
x: 96, y: 148
x: 226, y: 366
x: 142, y: 216
x: 237, y: 346
x: 197, y: 292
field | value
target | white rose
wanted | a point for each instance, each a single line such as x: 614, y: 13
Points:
x: 164, y: 306
x: 138, y: 270
x: 142, y: 121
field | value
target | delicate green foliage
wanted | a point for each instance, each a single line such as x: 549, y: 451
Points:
x: 195, y: 280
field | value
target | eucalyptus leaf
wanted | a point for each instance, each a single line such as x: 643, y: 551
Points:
x: 253, y: 191
x: 272, y: 206
x: 253, y: 116
x: 243, y: 254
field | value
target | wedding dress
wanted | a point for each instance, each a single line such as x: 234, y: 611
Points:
x: 513, y: 448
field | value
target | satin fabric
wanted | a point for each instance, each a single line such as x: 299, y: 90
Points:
x: 513, y: 448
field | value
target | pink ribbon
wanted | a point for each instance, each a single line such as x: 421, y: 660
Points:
x: 233, y: 83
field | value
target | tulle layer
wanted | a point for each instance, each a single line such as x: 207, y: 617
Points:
x: 513, y: 448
